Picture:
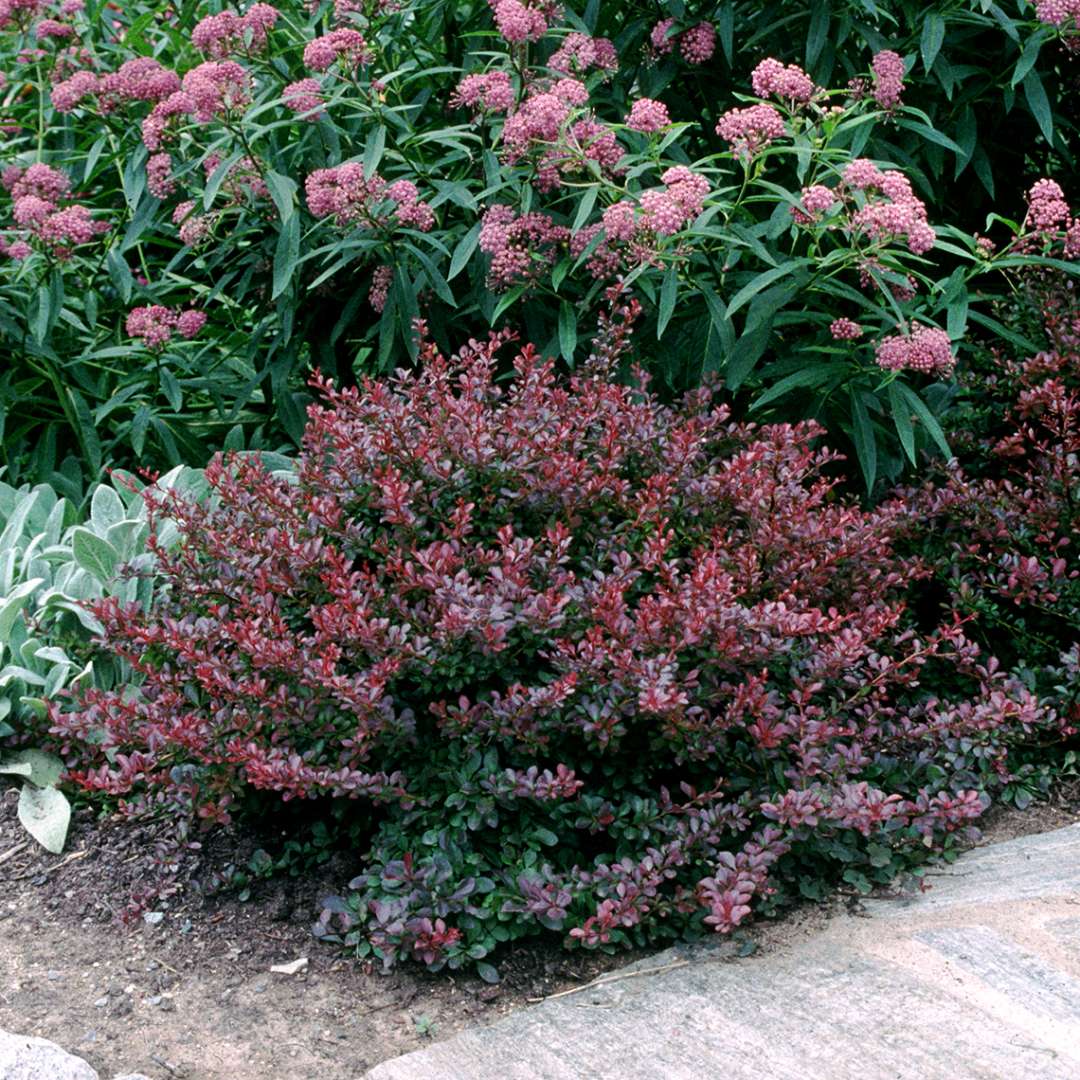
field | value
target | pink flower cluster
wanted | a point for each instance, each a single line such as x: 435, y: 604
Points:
x: 1050, y: 220
x: 194, y: 228
x: 141, y: 79
x: 345, y: 194
x: 891, y: 209
x: 212, y: 89
x: 36, y: 194
x: 519, y: 22
x: 647, y: 115
x: 814, y: 201
x: 926, y: 349
x: 155, y: 324
x: 1047, y: 209
x: 410, y: 210
x: 159, y: 181
x: 521, y: 246
x: 751, y: 129
x: 20, y: 12
x: 562, y: 140
x: 221, y: 35
x: 888, y: 68
x: 53, y: 30
x: 697, y: 43
x: 304, y: 97
x: 381, y: 281
x: 1058, y: 12
x: 633, y: 232
x: 791, y: 84
x: 344, y: 8
x: 491, y: 91
x: 579, y: 52
x: 844, y: 329
x: 343, y: 44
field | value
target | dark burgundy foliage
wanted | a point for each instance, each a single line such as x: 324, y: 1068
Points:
x: 585, y: 662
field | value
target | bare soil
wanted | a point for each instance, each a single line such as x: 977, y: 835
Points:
x: 191, y: 995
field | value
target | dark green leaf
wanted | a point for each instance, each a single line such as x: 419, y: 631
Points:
x: 901, y: 413
x: 373, y: 150
x: 762, y: 280
x: 814, y: 375
x: 1028, y: 56
x: 933, y: 35
x: 862, y: 433
x: 818, y: 31
x: 567, y: 331
x: 463, y: 251
x: 746, y: 352
x: 286, y: 254
x: 926, y: 417
x: 669, y: 292
x: 283, y: 192
x: 1039, y: 104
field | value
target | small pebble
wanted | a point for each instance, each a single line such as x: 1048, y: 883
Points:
x: 52, y: 976
x: 101, y: 1002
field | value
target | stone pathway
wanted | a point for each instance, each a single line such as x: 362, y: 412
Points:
x: 976, y: 979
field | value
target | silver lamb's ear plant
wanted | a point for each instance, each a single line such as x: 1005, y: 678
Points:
x: 51, y: 569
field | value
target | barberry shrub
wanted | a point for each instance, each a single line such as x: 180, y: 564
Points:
x: 201, y: 203
x: 998, y: 526
x: 580, y: 662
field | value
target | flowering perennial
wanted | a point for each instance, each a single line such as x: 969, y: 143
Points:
x: 578, y: 53
x: 791, y: 84
x: 891, y: 209
x: 305, y: 98
x: 648, y: 116
x: 40, y: 219
x: 222, y: 35
x: 489, y: 92
x: 1058, y: 13
x: 926, y: 349
x: 154, y: 324
x: 751, y: 129
x: 521, y: 246
x: 697, y: 43
x: 844, y: 329
x: 888, y: 70
x: 345, y: 194
x: 344, y: 45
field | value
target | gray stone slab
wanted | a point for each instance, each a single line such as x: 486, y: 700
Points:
x: 1027, y: 868
x: 967, y: 985
x: 1032, y: 981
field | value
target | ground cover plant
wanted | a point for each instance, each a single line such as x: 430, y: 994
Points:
x: 588, y: 663
x: 51, y: 565
x: 203, y: 202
